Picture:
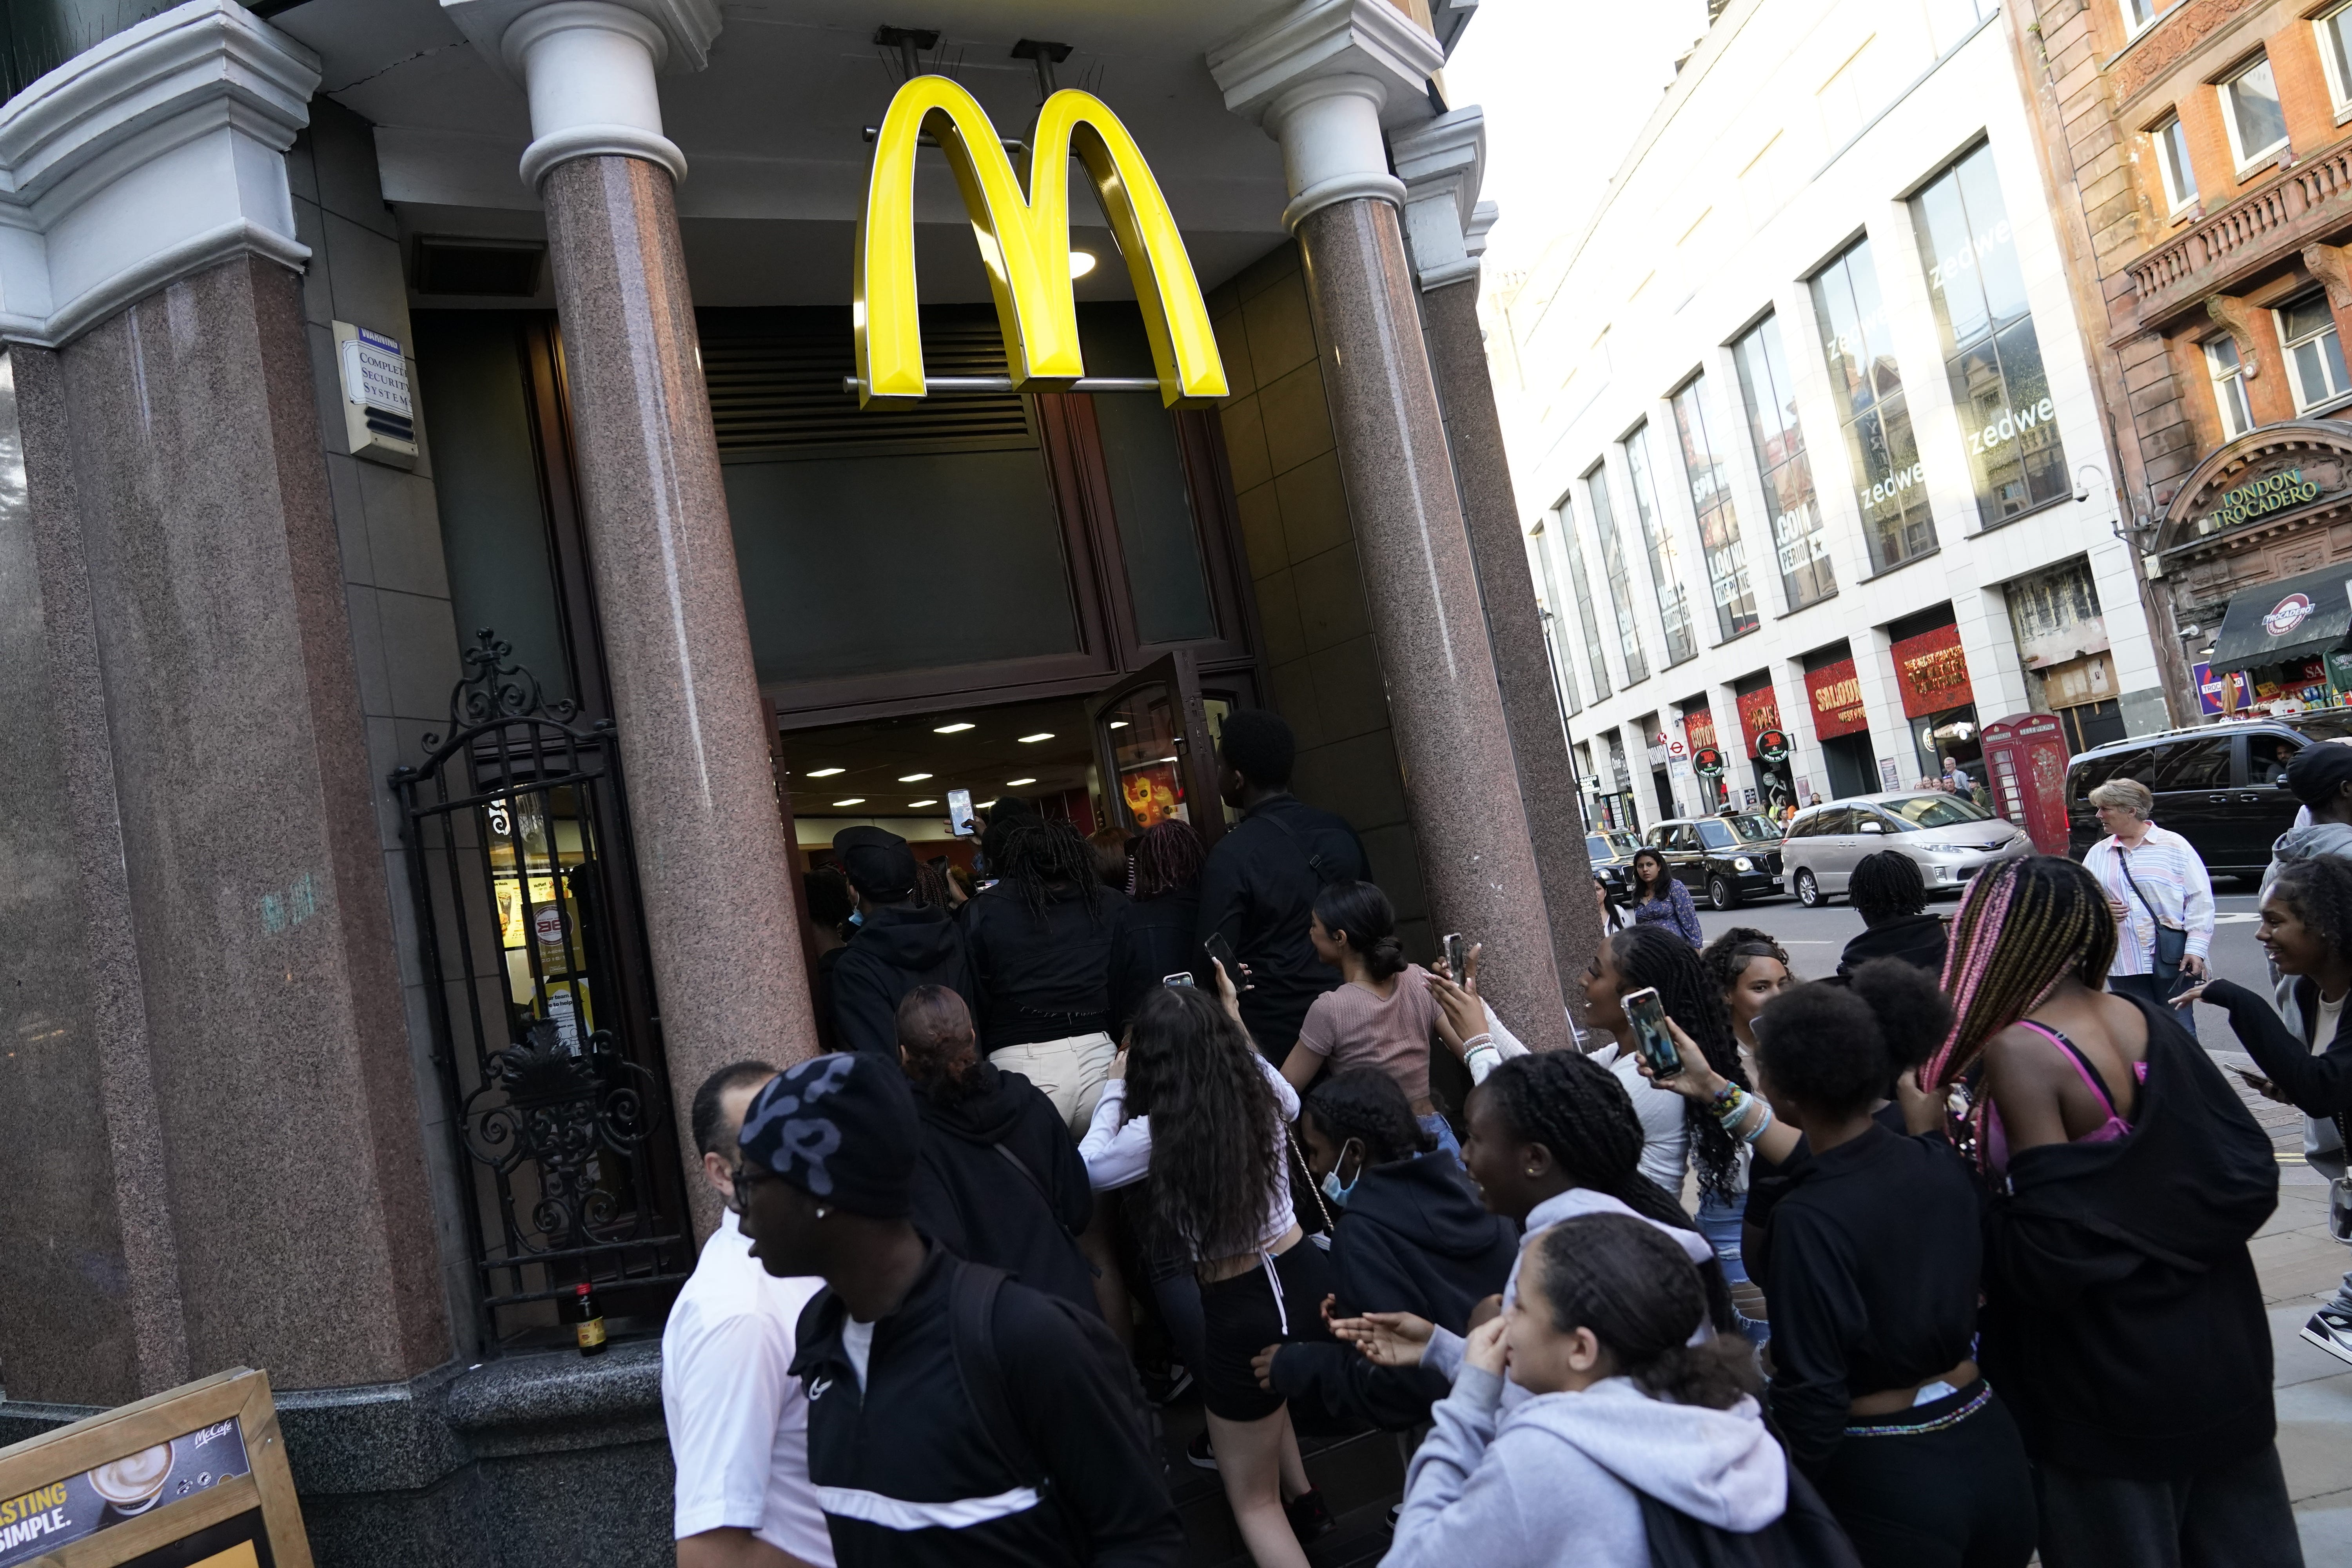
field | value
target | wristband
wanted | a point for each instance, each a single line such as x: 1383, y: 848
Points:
x: 1481, y: 1059
x: 1482, y: 1039
x: 1762, y: 1123
x: 1730, y: 1112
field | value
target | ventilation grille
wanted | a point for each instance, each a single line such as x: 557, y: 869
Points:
x: 487, y: 268
x: 782, y: 396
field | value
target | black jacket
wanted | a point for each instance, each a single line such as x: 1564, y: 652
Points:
x: 1915, y: 938
x: 895, y: 952
x: 910, y: 1441
x: 1257, y: 889
x: 2319, y: 1086
x: 974, y: 1201
x: 1413, y: 1238
x: 1042, y: 979
x: 2123, y: 1321
x: 1157, y: 939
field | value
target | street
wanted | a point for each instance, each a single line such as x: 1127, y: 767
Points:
x: 2299, y: 1260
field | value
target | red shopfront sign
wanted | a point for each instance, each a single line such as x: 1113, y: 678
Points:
x: 1933, y: 672
x: 1698, y: 728
x: 1836, y: 695
x: 1760, y: 711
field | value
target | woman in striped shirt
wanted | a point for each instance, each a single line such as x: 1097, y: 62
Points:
x: 2154, y: 880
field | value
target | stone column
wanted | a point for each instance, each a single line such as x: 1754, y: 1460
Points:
x: 1440, y: 162
x: 1319, y: 79
x: 711, y: 855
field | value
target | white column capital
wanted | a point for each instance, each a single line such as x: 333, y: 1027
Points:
x: 589, y: 67
x: 1442, y: 162
x: 1324, y: 78
x: 146, y: 159
x: 1482, y: 218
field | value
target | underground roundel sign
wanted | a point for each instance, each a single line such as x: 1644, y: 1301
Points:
x: 1772, y: 745
x: 1708, y: 761
x: 2287, y: 614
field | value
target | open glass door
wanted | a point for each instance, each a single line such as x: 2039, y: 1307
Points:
x: 1155, y: 741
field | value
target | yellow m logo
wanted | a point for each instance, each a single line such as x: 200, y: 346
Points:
x: 1024, y: 240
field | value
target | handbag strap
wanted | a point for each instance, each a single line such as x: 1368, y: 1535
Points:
x: 1329, y: 1228
x: 2123, y: 857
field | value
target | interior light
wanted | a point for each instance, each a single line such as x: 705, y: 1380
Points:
x: 825, y: 773
x: 912, y: 803
x: 1081, y: 263
x: 1016, y: 783
x: 853, y: 800
x: 1040, y: 735
x: 912, y: 778
x: 1119, y: 723
x: 955, y: 728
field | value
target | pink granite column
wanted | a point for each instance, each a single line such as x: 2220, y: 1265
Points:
x: 711, y: 856
x: 1490, y: 510
x: 1462, y: 784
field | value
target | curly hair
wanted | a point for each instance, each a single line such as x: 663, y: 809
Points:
x: 2022, y: 926
x: 1652, y: 955
x: 1886, y: 885
x: 1839, y: 1047
x: 1040, y: 857
x: 939, y: 1048
x: 1215, y: 1125
x: 2319, y: 892
x: 1727, y: 956
x: 1360, y: 916
x: 1167, y: 858
x: 1368, y: 1105
x: 1637, y: 1292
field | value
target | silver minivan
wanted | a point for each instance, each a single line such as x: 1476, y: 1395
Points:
x: 1951, y: 838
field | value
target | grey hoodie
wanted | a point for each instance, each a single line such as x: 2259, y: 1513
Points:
x: 2308, y: 842
x: 1553, y: 1480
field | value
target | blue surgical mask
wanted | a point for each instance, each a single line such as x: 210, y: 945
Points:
x: 857, y: 917
x: 1331, y: 1187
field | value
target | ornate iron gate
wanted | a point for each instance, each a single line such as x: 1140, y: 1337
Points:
x: 540, y: 989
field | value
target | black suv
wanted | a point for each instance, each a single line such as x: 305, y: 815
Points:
x: 2222, y: 787
x: 1726, y: 858
x: 1612, y: 850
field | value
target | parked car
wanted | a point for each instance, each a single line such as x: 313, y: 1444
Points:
x: 1952, y: 838
x: 2222, y: 787
x: 1611, y: 852
x: 1725, y: 860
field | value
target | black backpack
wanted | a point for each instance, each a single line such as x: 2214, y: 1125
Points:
x: 1804, y: 1536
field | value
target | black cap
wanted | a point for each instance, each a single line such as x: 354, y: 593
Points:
x: 878, y: 864
x: 2319, y: 772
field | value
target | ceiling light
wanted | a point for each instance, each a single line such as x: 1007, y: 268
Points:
x: 955, y: 728
x: 912, y: 778
x: 853, y: 800
x: 1081, y: 263
x: 1015, y: 784
x: 1040, y: 735
x: 1119, y: 723
x: 912, y: 803
x: 825, y: 773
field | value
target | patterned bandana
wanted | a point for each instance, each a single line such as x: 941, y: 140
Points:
x: 841, y: 1128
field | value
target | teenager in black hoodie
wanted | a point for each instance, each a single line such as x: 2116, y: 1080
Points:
x: 999, y: 1181
x: 900, y: 945
x: 1409, y: 1235
x: 1892, y: 899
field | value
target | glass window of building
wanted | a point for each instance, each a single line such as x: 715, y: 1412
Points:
x: 2172, y: 158
x: 2229, y: 386
x: 2314, y: 355
x: 1718, y: 523
x: 2139, y: 13
x: 1553, y: 607
x: 1665, y: 554
x: 1798, y: 537
x: 1595, y: 664
x: 1999, y: 389
x: 2250, y: 108
x: 1621, y: 582
x: 2335, y: 31
x: 1890, y: 483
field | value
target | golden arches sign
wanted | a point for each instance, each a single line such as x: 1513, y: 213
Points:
x: 1024, y: 241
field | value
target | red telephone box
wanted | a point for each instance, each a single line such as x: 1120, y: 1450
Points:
x: 2025, y: 760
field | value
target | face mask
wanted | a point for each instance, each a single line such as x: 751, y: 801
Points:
x: 1331, y: 1187
x: 857, y: 917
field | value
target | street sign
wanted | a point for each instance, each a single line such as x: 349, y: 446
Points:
x: 1772, y: 746
x: 1708, y: 762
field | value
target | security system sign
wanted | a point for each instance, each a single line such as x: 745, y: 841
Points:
x: 379, y: 415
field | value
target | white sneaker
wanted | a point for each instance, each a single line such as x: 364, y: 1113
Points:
x: 2330, y: 1329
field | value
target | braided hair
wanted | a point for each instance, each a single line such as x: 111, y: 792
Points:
x: 1642, y: 1299
x: 2022, y: 926
x: 1167, y: 858
x: 1577, y: 1108
x: 1727, y: 956
x: 1040, y: 855
x: 1368, y: 1105
x: 1652, y: 955
x: 1886, y: 885
x: 2319, y: 890
x: 1214, y: 1124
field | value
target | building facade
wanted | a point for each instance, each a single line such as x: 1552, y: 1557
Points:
x: 2200, y: 155
x: 459, y: 565
x: 1808, y: 424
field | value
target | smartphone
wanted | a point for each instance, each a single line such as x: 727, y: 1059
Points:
x: 961, y: 821
x: 1648, y: 1016
x: 1220, y: 950
x: 1182, y: 977
x: 1457, y: 956
x: 2255, y: 1080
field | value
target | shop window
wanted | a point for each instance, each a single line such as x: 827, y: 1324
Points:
x: 2334, y: 30
x: 1718, y: 523
x: 1999, y: 390
x: 1665, y: 552
x: 2229, y: 375
x: 2250, y: 108
x: 2172, y: 158
x: 2140, y: 15
x: 2314, y: 354
x: 1573, y: 548
x: 1620, y: 586
x: 1798, y: 537
x: 1889, y: 479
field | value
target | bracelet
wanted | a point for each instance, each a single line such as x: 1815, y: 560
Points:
x: 1485, y: 1037
x: 1730, y: 1115
x: 1763, y: 1121
x: 1726, y: 1095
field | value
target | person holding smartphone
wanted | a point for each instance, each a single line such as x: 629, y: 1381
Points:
x: 2303, y: 1052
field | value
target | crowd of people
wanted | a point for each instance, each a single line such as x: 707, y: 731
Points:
x: 1938, y: 1258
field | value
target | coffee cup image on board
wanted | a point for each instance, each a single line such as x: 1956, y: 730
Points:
x: 131, y: 1484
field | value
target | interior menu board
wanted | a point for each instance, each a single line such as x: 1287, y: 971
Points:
x: 41, y: 1521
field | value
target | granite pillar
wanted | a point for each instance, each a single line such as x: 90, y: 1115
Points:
x: 713, y: 864
x: 1515, y: 632
x: 1461, y: 781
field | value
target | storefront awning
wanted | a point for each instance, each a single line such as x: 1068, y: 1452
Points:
x: 2296, y: 618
